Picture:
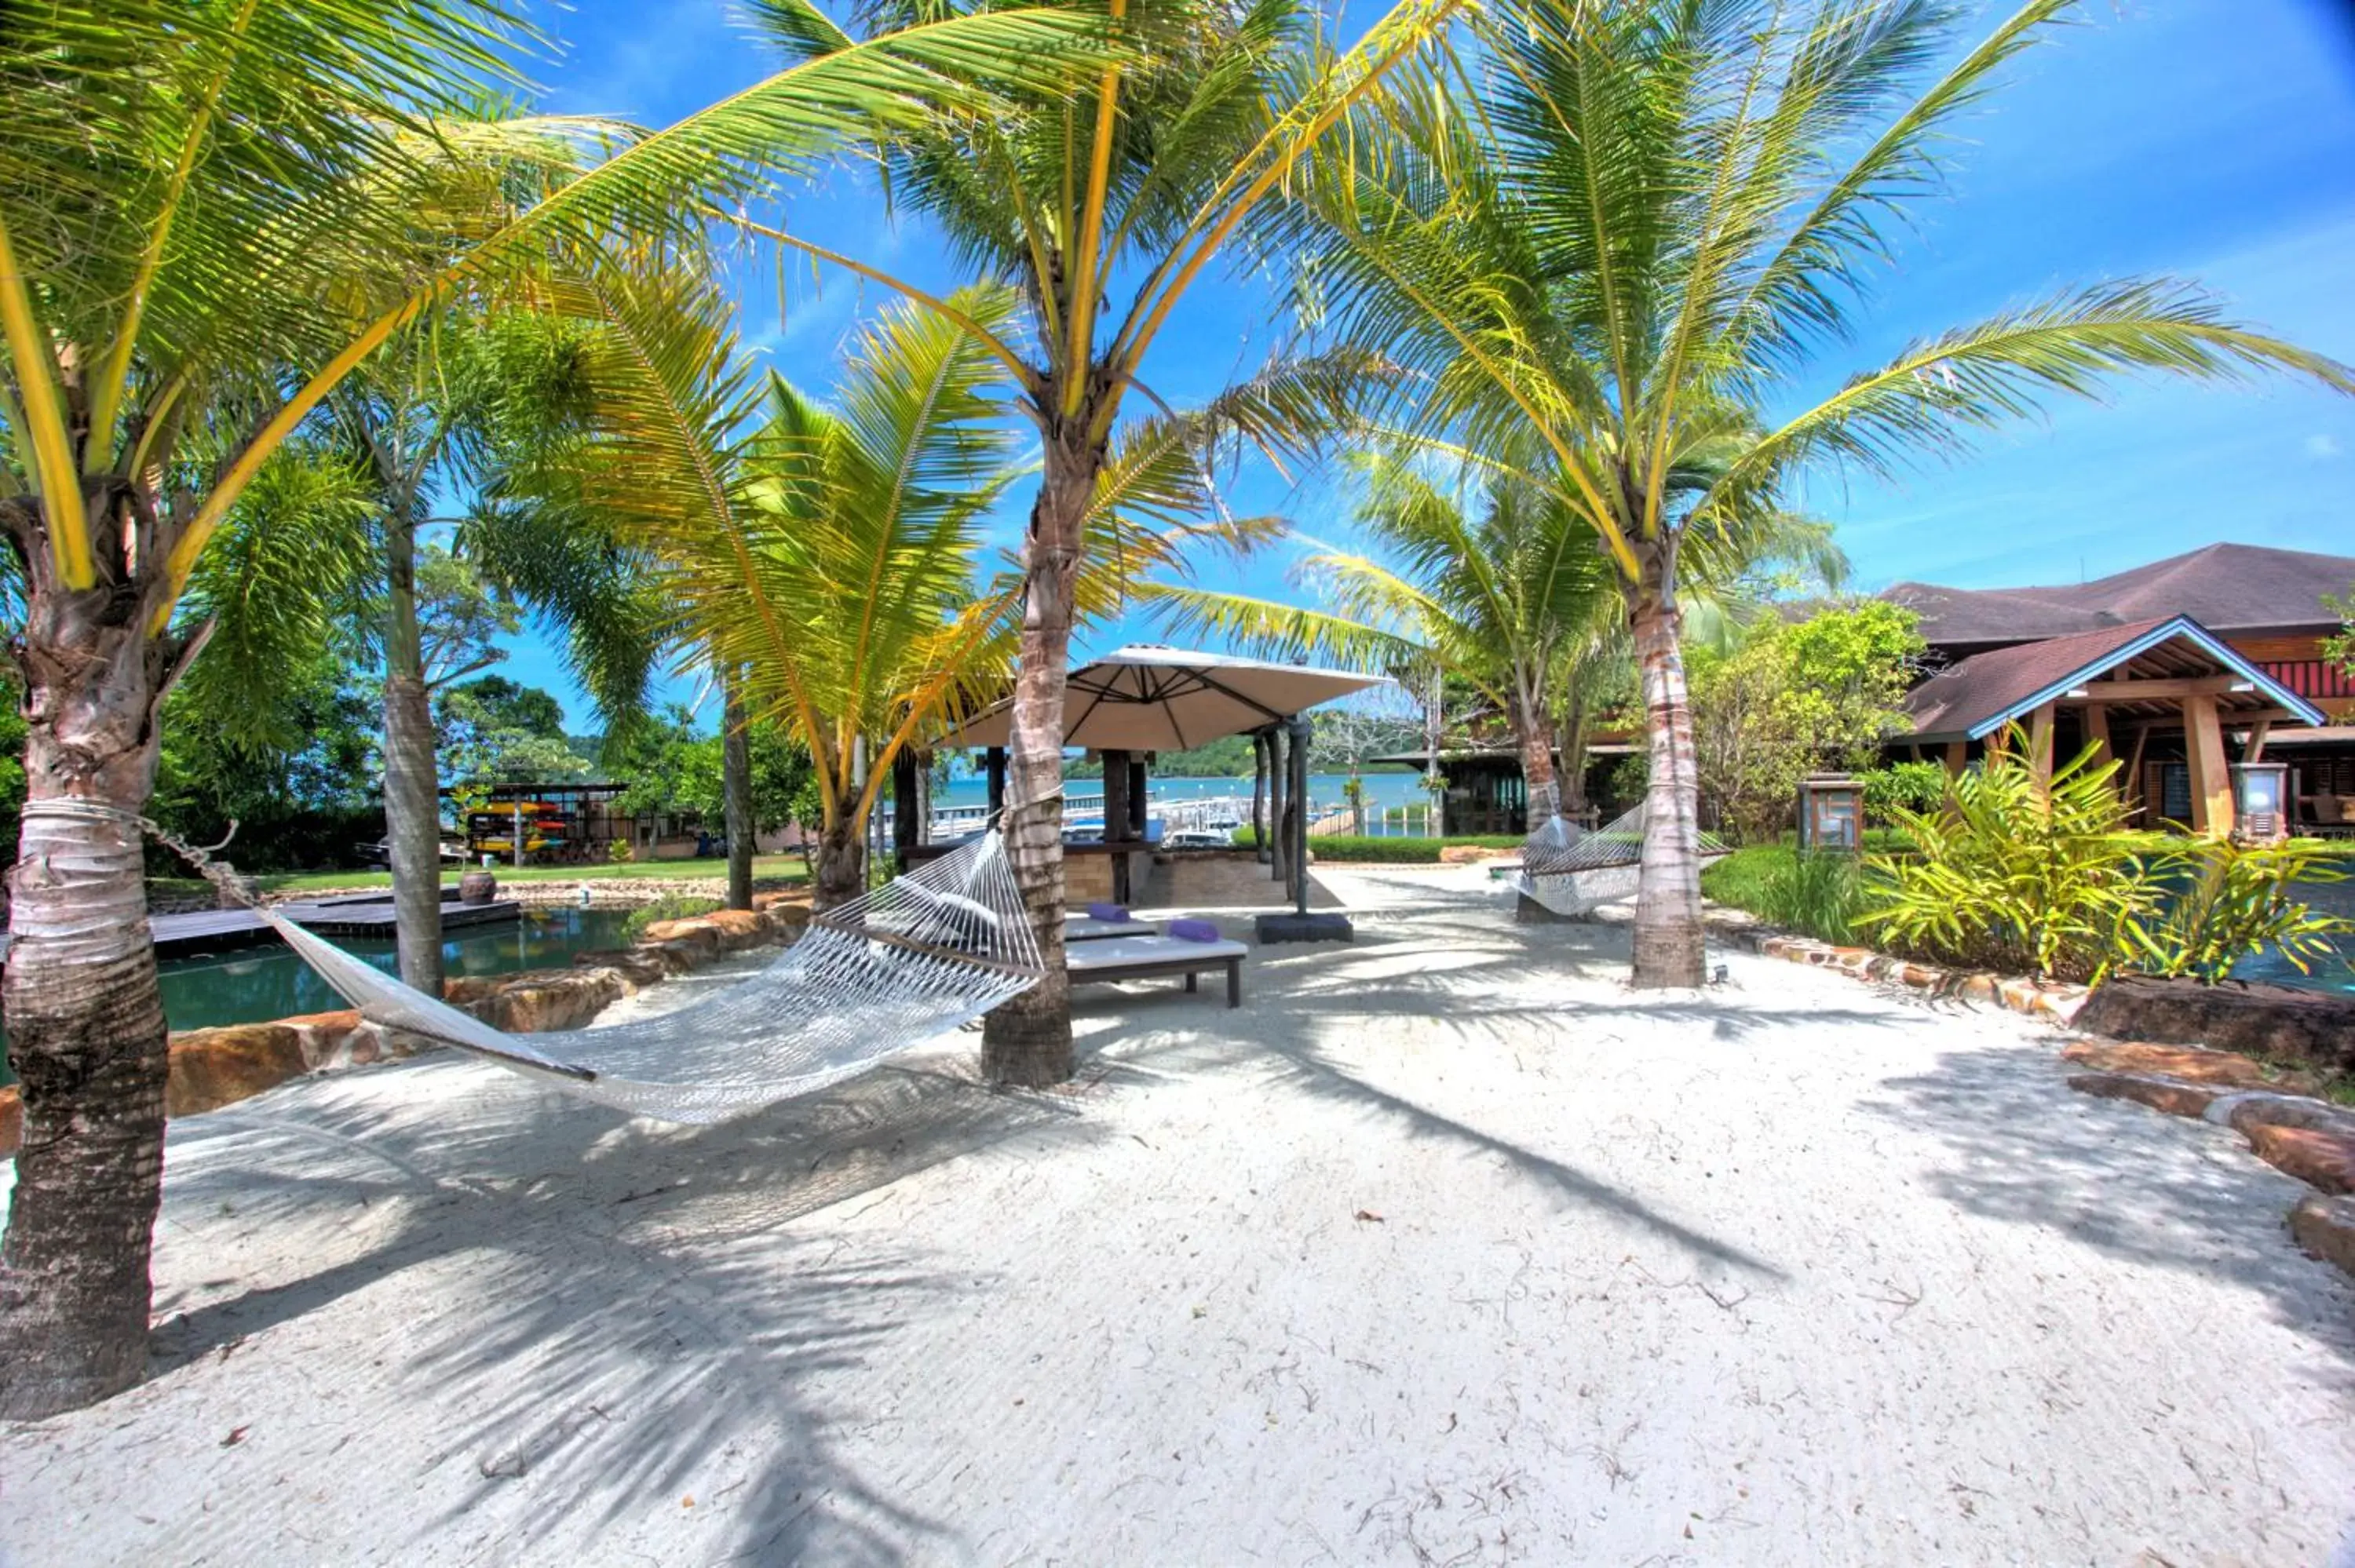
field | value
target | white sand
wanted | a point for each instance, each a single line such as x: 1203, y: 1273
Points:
x: 1791, y: 1272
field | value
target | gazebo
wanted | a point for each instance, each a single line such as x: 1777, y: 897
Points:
x: 2167, y: 697
x: 1141, y: 700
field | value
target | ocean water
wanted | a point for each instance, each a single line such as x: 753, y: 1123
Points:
x: 1382, y: 789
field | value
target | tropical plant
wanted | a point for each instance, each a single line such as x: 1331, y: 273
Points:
x: 2228, y: 900
x: 2016, y: 874
x: 1631, y: 227
x: 1106, y: 209
x: 210, y: 214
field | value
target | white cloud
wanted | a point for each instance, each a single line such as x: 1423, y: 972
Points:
x: 2323, y: 446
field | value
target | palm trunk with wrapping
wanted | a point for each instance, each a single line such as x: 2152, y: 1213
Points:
x: 86, y: 1031
x: 1027, y: 1042
x: 412, y: 785
x: 736, y: 799
x: 1668, y: 950
x: 841, y: 865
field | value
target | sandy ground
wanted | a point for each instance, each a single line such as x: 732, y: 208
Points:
x: 1445, y: 1248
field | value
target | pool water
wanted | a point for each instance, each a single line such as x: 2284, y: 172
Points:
x: 254, y: 985
x: 2333, y: 974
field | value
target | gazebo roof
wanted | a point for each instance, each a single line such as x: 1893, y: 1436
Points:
x: 1149, y: 698
x: 1980, y: 695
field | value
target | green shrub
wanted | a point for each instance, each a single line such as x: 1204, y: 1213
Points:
x: 1814, y: 894
x: 669, y: 906
x: 1903, y: 787
x: 2008, y: 874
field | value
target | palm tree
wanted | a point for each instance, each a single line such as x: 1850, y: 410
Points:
x: 430, y: 413
x: 1631, y: 226
x: 1498, y: 598
x: 827, y: 557
x: 1105, y: 209
x: 209, y: 214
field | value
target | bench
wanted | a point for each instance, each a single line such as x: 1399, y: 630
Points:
x: 1151, y: 957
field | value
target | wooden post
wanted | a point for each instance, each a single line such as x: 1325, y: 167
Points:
x: 1959, y: 755
x: 2097, y: 731
x: 1259, y: 847
x: 994, y: 767
x: 1115, y: 819
x: 1297, y: 808
x: 1278, y: 786
x: 2039, y: 747
x: 2211, y: 781
x: 2255, y: 750
x: 1139, y: 811
x: 904, y: 810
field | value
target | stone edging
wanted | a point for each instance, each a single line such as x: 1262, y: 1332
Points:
x: 215, y: 1067
x: 2038, y: 999
x: 2301, y: 1136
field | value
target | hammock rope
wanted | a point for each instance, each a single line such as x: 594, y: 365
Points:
x: 1570, y: 870
x: 911, y: 960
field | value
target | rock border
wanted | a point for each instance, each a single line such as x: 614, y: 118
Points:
x: 215, y: 1067
x: 2035, y: 997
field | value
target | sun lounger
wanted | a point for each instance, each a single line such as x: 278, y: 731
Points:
x: 1150, y: 958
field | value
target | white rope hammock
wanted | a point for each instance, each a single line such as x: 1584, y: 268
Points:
x: 911, y: 960
x: 1569, y: 870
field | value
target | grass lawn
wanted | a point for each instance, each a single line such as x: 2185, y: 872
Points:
x: 767, y: 870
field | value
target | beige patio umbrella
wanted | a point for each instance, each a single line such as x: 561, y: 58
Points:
x: 1149, y: 698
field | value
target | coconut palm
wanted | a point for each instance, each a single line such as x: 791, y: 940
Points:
x: 825, y: 554
x: 1105, y: 209
x: 1632, y: 225
x: 210, y: 213
x: 1496, y: 595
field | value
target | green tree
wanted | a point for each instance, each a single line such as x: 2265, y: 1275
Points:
x: 179, y: 294
x: 1638, y: 225
x: 1785, y: 700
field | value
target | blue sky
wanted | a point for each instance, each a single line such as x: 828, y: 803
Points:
x: 2208, y: 139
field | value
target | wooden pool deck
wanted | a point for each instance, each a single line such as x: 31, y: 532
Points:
x: 354, y: 915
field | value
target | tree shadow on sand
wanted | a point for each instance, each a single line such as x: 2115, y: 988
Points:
x: 621, y: 1311
x: 2158, y: 1190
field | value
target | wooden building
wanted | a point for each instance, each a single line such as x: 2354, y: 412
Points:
x: 2182, y: 668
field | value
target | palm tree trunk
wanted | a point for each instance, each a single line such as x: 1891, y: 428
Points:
x: 86, y: 1031
x: 412, y: 785
x: 736, y: 797
x: 1027, y: 1042
x: 1669, y: 949
x: 1534, y: 731
x: 841, y: 864
x: 1574, y: 757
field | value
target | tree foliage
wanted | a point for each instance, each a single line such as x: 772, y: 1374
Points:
x: 1786, y: 700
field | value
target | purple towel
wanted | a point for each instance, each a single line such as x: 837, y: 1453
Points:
x: 1107, y: 912
x: 1193, y: 930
